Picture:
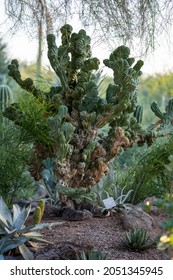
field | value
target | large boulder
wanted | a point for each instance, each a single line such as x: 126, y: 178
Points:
x: 135, y: 217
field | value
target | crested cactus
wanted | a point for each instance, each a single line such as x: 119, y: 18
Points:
x: 76, y: 115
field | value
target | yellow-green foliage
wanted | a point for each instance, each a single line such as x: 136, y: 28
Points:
x: 34, y: 118
x: 37, y: 216
x: 154, y: 88
x: 45, y: 80
x: 158, y: 85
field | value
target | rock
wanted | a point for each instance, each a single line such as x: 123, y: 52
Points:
x: 52, y: 211
x: 152, y: 209
x: 135, y: 217
x: 70, y: 214
x: 67, y: 213
x: 150, y: 199
x: 96, y: 210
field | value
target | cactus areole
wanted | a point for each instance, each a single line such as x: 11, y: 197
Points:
x: 77, y: 114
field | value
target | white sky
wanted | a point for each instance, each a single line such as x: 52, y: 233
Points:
x: 23, y: 48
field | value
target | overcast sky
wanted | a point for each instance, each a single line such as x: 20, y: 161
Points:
x: 23, y: 48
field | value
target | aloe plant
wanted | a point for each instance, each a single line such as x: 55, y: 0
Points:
x: 136, y: 240
x: 13, y: 231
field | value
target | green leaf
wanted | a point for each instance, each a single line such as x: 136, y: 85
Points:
x: 25, y: 252
x: 36, y: 236
x: 22, y: 217
x: 46, y: 175
x: 6, y: 243
x: 41, y: 226
x: 168, y: 224
x: 5, y: 213
x: 16, y: 211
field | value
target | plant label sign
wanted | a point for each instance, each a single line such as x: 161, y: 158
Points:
x: 109, y: 202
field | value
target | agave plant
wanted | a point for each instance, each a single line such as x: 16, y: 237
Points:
x: 7, y: 243
x: 137, y: 240
x: 92, y: 255
x: 14, y: 233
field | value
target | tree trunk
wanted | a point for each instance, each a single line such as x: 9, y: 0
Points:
x: 40, y: 45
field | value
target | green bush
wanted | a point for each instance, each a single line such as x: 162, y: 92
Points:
x: 140, y: 170
x: 15, y: 180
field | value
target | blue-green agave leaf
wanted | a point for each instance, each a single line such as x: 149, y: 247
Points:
x: 16, y: 212
x: 5, y: 213
x: 46, y: 175
x: 7, y: 243
x: 48, y: 163
x: 21, y: 218
x: 25, y: 252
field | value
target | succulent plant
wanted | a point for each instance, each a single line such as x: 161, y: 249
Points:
x: 6, y: 98
x: 138, y: 113
x: 55, y: 190
x: 13, y: 231
x: 38, y: 213
x: 41, y: 204
x: 7, y: 244
x: 92, y: 255
x: 71, y: 125
x: 164, y: 126
x: 136, y: 240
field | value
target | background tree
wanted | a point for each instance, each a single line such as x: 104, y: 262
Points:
x: 122, y: 20
x: 29, y: 14
x: 157, y: 88
x: 3, y: 61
